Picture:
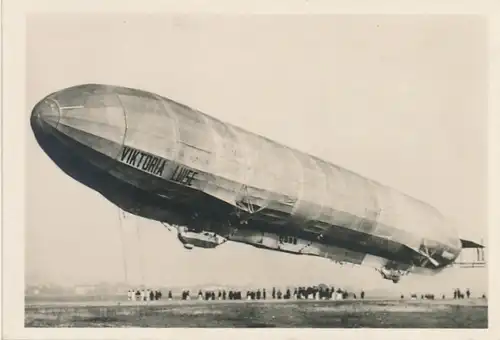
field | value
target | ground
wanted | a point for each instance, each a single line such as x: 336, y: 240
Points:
x: 303, y: 314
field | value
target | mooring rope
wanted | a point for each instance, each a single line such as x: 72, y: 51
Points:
x: 141, y: 257
x: 124, y: 252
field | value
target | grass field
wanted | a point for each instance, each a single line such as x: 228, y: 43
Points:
x: 282, y: 314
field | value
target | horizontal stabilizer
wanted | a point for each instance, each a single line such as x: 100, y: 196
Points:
x: 470, y: 244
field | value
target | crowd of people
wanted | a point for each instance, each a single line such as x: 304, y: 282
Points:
x: 298, y: 293
x: 144, y: 294
x: 422, y: 296
x: 316, y: 293
x: 457, y: 294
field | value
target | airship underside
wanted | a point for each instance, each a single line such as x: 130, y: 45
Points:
x: 164, y: 161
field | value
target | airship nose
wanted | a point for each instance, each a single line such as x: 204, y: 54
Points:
x: 86, y: 121
x: 46, y: 114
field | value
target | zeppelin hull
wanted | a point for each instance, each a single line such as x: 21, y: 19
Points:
x: 156, y: 158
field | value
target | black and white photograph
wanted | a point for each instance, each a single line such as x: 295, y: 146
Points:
x: 255, y: 170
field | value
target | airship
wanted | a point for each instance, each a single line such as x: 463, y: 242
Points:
x: 215, y: 182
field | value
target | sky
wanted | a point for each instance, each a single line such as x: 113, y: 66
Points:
x: 399, y: 99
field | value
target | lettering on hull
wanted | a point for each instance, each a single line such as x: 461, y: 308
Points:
x: 156, y: 165
x: 183, y: 176
x: 143, y: 161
